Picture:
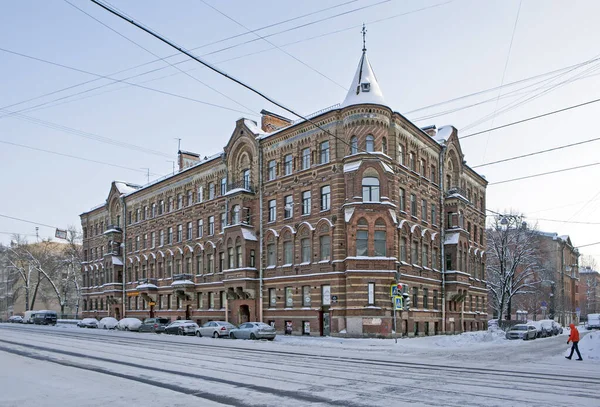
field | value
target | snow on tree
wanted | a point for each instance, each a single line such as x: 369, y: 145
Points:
x: 512, y: 261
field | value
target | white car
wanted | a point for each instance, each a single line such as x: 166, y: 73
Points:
x: 129, y: 324
x: 108, y: 323
x: 88, y: 323
x: 216, y: 329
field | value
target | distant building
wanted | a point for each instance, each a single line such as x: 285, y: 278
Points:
x: 589, y: 291
x: 301, y: 226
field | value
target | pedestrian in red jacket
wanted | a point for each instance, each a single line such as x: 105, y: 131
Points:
x: 574, y: 337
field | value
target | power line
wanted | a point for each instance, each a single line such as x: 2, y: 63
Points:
x: 544, y: 173
x: 161, y: 58
x: 567, y: 221
x: 29, y: 221
x: 14, y: 233
x: 73, y: 156
x: 537, y: 152
x: 531, y: 118
x: 279, y: 48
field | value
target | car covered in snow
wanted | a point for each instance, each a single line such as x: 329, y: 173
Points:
x: 182, y: 327
x: 593, y: 321
x: 16, y: 319
x: 541, y: 330
x: 522, y: 331
x: 108, y: 323
x: 551, y: 327
x: 253, y: 330
x: 157, y: 325
x: 129, y: 324
x: 88, y: 323
x: 216, y: 329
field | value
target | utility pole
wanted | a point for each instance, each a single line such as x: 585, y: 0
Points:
x: 147, y: 174
x: 178, y: 144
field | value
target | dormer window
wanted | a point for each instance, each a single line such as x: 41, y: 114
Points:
x: 365, y: 87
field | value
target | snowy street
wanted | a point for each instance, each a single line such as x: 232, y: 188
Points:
x: 45, y: 365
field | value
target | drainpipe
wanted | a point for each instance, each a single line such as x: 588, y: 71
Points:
x: 260, y: 240
x: 442, y: 237
x: 124, y: 243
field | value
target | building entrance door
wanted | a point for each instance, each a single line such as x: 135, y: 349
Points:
x: 117, y: 313
x: 152, y: 311
x: 325, y: 323
x: 188, y: 312
x: 244, y: 314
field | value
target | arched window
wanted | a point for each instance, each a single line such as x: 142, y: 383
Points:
x: 370, y: 186
x: 384, y: 146
x: 370, y: 145
x: 353, y: 145
x: 246, y: 178
x: 362, y: 238
x: 380, y: 238
x: 235, y: 218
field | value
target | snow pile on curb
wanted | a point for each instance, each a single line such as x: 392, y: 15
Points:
x: 589, y: 346
x: 470, y: 338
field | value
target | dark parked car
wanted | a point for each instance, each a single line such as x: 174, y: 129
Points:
x: 182, y: 327
x: 88, y: 323
x: 45, y: 317
x: 17, y: 319
x: 157, y: 325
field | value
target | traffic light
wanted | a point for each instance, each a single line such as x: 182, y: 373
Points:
x: 406, y: 299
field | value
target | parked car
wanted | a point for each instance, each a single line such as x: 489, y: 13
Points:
x: 522, y: 331
x: 88, y: 323
x: 28, y: 317
x: 182, y: 327
x: 154, y: 325
x: 45, y: 317
x: 16, y: 319
x: 551, y: 327
x: 129, y: 324
x: 253, y: 330
x: 541, y: 331
x: 216, y: 329
x: 108, y: 323
x: 593, y: 321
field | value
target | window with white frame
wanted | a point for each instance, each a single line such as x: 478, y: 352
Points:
x: 306, y: 296
x: 306, y: 203
x: 179, y: 233
x: 380, y: 243
x: 401, y: 154
x: 211, y: 225
x: 288, y: 252
x: 271, y: 170
x: 288, y: 207
x: 306, y: 158
x: 271, y: 255
x: 223, y: 221
x: 190, y: 197
x: 411, y: 161
x: 402, y: 200
x: 211, y: 190
x: 153, y: 239
x: 272, y: 298
x: 272, y: 210
x: 170, y: 236
x: 324, y: 152
x: 210, y: 262
x: 371, y: 293
x: 287, y: 164
x: 403, y: 242
x: 190, y: 231
x: 353, y: 145
x: 362, y: 242
x: 179, y: 201
x: 305, y: 250
x: 370, y: 187
x: 414, y: 255
x: 238, y: 255
x: 246, y: 179
x: 289, y: 298
x: 433, y: 215
x: 223, y: 186
x: 161, y: 237
x: 230, y: 258
x: 413, y: 205
x: 425, y: 256
x: 200, y: 195
x: 325, y: 198
x: 325, y: 247
x: 235, y: 218
x: 370, y: 144
x: 153, y: 212
x: 423, y: 169
x: 424, y: 210
x: 200, y: 228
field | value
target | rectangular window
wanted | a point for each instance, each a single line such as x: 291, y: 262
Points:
x: 423, y: 169
x: 271, y: 255
x: 411, y: 161
x: 161, y: 238
x: 211, y: 190
x: 200, y: 195
x: 433, y: 175
x: 221, y: 261
x: 169, y: 268
x: 305, y: 250
x: 415, y: 297
x: 223, y: 221
x: 223, y: 186
x: 433, y: 215
x: 238, y: 254
x: 179, y: 201
x: 152, y: 240
x: 211, y: 300
x: 306, y: 296
x: 380, y: 243
x: 252, y: 258
x: 289, y: 299
x: 272, y: 298
x: 198, y: 300
x: 403, y: 249
x: 288, y: 209
x: 306, y: 158
x: 137, y: 243
x: 179, y: 233
x: 362, y: 243
x: 144, y: 241
x: 287, y: 164
x: 288, y: 252
x: 413, y: 205
x: 210, y: 260
x: 371, y: 293
x: 434, y: 304
x: 161, y: 207
x: 414, y: 255
x: 325, y: 198
x: 425, y: 298
x: 425, y: 256
x: 326, y: 294
x: 272, y: 210
x: 190, y: 197
x: 402, y: 200
x: 424, y: 210
x: 325, y: 246
x: 272, y: 166
x: 306, y: 203
x: 200, y: 228
x: 199, y: 264
x: 324, y: 152
x: 211, y: 225
x: 246, y: 179
x: 401, y: 154
x: 230, y: 258
x: 448, y: 261
x: 190, y: 231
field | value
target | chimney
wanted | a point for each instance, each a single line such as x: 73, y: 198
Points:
x: 187, y: 159
x: 271, y: 122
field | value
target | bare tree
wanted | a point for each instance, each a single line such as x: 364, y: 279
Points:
x: 512, y: 261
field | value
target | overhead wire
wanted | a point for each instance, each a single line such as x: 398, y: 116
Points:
x: 28, y: 221
x: 544, y: 173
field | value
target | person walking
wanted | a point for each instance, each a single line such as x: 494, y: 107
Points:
x: 574, y: 337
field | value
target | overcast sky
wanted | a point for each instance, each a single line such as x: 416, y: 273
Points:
x: 423, y: 53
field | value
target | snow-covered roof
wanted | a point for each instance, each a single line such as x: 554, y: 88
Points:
x: 452, y: 238
x: 443, y: 134
x: 125, y: 187
x: 117, y: 261
x: 253, y: 127
x: 146, y: 286
x: 364, y: 87
x: 181, y: 282
x: 248, y: 234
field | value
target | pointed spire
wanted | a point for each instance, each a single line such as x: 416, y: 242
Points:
x: 364, y: 87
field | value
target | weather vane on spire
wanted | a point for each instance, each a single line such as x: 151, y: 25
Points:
x: 364, y: 34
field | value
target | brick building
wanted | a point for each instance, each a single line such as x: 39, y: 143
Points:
x: 589, y: 291
x: 302, y: 226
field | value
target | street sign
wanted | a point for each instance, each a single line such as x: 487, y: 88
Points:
x: 398, y: 302
x: 393, y: 290
x: 577, y: 309
x: 334, y: 299
x: 544, y: 304
x: 543, y: 308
